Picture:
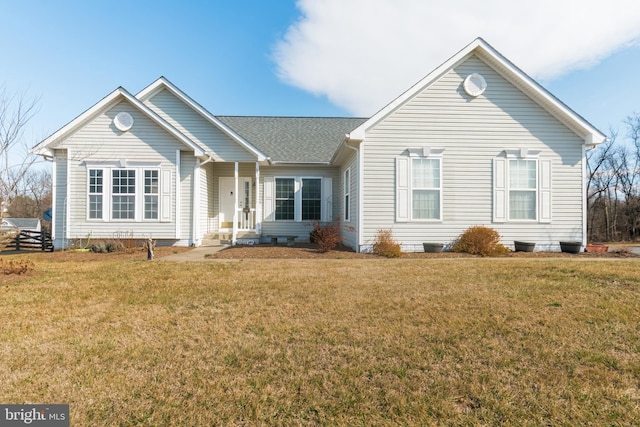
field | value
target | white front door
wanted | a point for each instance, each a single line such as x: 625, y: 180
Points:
x: 227, y: 199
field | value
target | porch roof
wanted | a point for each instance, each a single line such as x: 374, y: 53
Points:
x: 294, y: 139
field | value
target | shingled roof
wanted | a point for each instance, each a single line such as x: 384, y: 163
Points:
x: 293, y: 139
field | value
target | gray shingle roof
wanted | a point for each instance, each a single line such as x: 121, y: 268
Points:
x: 293, y: 139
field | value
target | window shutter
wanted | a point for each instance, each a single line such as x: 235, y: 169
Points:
x: 545, y: 191
x: 269, y: 198
x: 165, y: 207
x: 402, y: 189
x: 327, y: 196
x: 499, y: 190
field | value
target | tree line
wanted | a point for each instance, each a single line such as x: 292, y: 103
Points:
x: 613, y: 186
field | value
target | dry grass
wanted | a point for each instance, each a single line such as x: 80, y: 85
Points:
x: 325, y: 342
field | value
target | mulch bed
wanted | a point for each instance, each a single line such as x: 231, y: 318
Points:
x: 306, y: 251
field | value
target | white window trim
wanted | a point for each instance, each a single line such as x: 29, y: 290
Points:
x: 502, y: 186
x: 107, y: 191
x: 325, y: 197
x: 89, y: 194
x: 536, y: 191
x: 404, y: 183
x: 439, y: 189
x: 296, y: 188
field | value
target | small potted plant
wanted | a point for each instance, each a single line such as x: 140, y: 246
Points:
x: 595, y: 247
x: 571, y: 247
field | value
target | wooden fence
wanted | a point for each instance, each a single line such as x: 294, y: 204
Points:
x: 28, y: 240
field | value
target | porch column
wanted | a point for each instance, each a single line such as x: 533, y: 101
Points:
x: 234, y: 235
x: 258, y: 201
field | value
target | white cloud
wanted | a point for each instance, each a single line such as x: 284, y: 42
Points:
x: 361, y: 54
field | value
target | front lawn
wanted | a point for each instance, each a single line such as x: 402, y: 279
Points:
x: 325, y: 342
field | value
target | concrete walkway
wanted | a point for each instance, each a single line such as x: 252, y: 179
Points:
x: 198, y: 254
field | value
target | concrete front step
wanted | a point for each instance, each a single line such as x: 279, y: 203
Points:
x: 218, y: 239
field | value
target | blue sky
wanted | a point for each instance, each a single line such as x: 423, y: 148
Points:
x: 310, y: 58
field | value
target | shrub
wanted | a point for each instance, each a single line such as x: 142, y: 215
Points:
x: 326, y: 236
x: 385, y: 245
x: 104, y: 246
x: 479, y: 240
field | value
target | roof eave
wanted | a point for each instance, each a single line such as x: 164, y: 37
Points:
x: 44, y: 147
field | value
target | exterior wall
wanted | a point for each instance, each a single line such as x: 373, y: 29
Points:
x: 349, y: 228
x: 100, y: 142
x: 472, y: 133
x: 196, y: 127
x: 299, y: 228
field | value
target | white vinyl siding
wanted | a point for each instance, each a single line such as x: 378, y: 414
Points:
x: 99, y: 145
x: 473, y: 132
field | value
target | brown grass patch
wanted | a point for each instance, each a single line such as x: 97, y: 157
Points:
x: 325, y: 342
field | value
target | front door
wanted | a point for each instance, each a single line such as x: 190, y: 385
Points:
x: 227, y: 199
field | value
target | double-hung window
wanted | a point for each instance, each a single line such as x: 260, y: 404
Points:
x: 123, y: 194
x: 151, y: 186
x: 95, y: 193
x: 298, y: 199
x: 523, y: 189
x: 425, y: 188
x: 419, y: 185
x: 311, y: 199
x: 285, y: 198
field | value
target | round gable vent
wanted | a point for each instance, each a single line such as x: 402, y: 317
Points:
x: 474, y: 84
x: 123, y: 121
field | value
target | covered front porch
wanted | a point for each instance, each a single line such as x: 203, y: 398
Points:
x: 233, y: 202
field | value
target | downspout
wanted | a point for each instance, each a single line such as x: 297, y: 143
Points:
x: 358, y: 199
x: 584, y: 195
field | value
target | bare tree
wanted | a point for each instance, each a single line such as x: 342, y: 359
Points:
x: 15, y: 159
x: 34, y: 195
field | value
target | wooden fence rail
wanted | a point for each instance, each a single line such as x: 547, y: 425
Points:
x: 28, y: 240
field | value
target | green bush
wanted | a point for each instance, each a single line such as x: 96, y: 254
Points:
x: 479, y: 240
x: 385, y: 245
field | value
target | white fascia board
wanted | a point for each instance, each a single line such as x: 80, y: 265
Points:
x: 44, y: 149
x: 520, y: 79
x: 163, y: 82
